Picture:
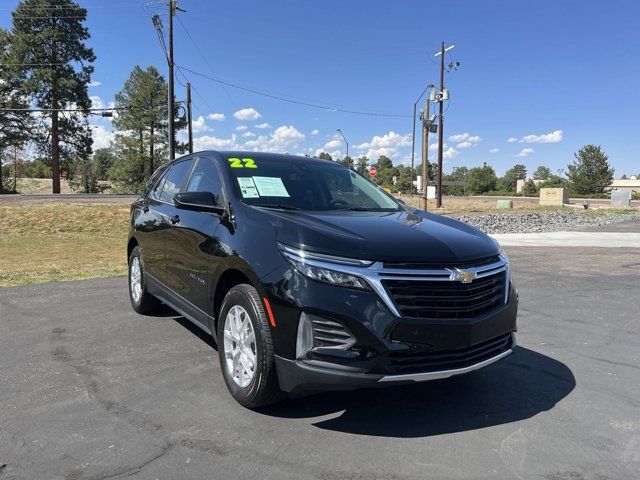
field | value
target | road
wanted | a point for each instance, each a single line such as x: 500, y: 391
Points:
x: 90, y: 390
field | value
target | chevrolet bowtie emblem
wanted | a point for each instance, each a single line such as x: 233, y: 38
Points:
x: 464, y: 276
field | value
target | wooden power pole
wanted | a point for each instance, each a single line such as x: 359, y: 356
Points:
x: 171, y: 99
x: 425, y: 154
x: 189, y: 117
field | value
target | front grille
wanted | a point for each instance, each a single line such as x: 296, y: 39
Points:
x: 447, y: 299
x: 422, y: 360
x: 428, y: 265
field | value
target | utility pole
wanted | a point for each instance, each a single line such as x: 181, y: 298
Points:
x: 189, y: 117
x: 425, y: 153
x: 171, y: 99
x: 440, y: 124
x: 413, y: 136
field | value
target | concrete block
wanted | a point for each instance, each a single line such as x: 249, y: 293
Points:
x: 620, y: 198
x: 505, y: 203
x: 554, y: 196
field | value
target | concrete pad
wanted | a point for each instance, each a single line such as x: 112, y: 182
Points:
x: 570, y: 239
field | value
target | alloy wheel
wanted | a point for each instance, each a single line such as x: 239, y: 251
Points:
x: 239, y: 346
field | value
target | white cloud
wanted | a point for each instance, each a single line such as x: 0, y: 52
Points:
x: 200, y: 126
x: 464, y: 137
x: 95, y: 83
x: 512, y: 139
x: 525, y: 152
x: 101, y: 136
x: 315, y: 131
x: 450, y: 153
x: 465, y: 145
x: 494, y: 150
x: 283, y: 138
x: 96, y: 102
x: 335, y: 143
x: 263, y: 125
x: 387, y: 144
x: 207, y: 142
x: 218, y: 117
x: 553, y: 137
x: 248, y: 134
x: 240, y: 128
x: 334, y: 154
x: 247, y: 114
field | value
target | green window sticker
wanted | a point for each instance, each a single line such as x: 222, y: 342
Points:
x: 270, y: 187
x: 235, y: 162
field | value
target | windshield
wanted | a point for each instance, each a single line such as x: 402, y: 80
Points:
x: 306, y: 185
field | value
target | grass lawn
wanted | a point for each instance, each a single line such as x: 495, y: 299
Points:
x: 43, y: 242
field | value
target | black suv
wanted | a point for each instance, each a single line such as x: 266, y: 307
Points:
x: 310, y: 277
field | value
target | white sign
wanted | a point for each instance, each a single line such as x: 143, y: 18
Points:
x: 431, y: 191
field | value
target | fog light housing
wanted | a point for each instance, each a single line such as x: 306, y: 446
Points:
x: 304, y: 340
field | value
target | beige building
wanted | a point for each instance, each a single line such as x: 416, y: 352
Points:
x: 632, y: 185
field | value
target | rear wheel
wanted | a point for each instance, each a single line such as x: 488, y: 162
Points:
x: 246, y: 350
x: 141, y: 300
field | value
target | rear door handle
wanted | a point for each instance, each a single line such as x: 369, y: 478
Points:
x: 145, y: 209
x: 175, y: 219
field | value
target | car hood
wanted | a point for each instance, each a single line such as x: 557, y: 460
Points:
x: 404, y: 236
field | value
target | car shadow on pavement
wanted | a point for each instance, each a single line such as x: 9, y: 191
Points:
x: 167, y: 312
x: 519, y: 387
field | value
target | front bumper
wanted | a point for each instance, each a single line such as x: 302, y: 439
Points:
x: 388, y: 349
x: 298, y: 377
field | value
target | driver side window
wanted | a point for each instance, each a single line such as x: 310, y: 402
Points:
x: 205, y: 178
x: 174, y: 179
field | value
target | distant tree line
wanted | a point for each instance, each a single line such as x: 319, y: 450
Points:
x: 589, y: 174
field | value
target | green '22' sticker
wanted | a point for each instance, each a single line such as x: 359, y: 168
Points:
x: 242, y: 163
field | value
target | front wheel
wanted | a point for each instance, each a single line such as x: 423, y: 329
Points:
x: 246, y: 350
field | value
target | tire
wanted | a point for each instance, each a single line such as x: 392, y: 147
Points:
x: 142, y: 302
x: 261, y: 388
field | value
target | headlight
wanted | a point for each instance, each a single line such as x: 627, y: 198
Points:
x: 318, y: 267
x: 507, y: 276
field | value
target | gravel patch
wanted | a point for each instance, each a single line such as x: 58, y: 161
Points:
x: 532, y: 222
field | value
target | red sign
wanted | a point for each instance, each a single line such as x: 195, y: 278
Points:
x: 372, y: 171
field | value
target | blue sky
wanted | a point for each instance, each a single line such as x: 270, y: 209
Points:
x: 549, y: 75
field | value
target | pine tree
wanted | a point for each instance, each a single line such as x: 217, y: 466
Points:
x: 48, y: 39
x: 14, y: 124
x: 142, y: 139
x: 590, y: 173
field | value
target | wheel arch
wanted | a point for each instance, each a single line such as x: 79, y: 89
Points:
x: 133, y: 243
x: 234, y: 273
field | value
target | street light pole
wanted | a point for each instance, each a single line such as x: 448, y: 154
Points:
x: 345, y: 140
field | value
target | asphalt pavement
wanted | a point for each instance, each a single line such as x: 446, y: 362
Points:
x: 91, y: 390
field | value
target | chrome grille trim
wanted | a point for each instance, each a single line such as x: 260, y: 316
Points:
x: 376, y: 272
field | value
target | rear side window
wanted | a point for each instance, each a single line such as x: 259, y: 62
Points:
x: 173, y: 180
x: 205, y: 178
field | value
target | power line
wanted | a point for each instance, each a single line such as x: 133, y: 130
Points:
x: 290, y: 100
x: 199, y: 50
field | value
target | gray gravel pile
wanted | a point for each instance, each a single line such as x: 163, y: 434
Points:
x: 528, y: 222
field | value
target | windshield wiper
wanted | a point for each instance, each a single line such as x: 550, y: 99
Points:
x: 280, y: 206
x: 365, y: 209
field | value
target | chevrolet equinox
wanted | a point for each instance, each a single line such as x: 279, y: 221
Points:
x: 310, y: 277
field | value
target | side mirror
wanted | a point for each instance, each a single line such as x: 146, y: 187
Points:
x: 198, y: 201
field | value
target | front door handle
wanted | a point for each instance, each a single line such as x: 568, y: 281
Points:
x: 145, y: 208
x: 175, y: 219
